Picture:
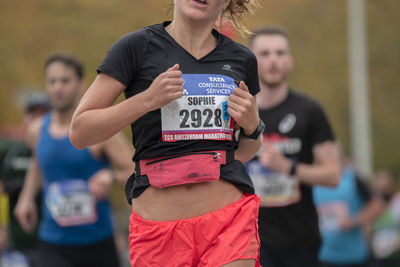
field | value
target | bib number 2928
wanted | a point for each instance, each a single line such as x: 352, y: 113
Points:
x: 196, y: 118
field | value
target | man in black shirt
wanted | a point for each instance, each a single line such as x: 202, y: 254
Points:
x: 299, y: 151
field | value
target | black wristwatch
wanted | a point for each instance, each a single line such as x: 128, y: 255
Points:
x: 293, y: 168
x: 254, y: 136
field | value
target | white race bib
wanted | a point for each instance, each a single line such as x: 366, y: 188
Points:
x: 275, y: 189
x: 331, y: 215
x: 70, y: 203
x: 201, y: 113
x: 385, y: 242
x: 13, y: 258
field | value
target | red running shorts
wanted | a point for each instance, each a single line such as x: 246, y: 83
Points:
x: 213, y: 239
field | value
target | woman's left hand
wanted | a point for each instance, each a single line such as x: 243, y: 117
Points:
x: 242, y: 107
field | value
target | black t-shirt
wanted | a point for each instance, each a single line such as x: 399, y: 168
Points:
x: 139, y: 57
x: 288, y: 217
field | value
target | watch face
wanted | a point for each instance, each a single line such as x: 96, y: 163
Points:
x: 257, y: 132
x: 260, y: 129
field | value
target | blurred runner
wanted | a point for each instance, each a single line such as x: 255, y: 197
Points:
x: 386, y: 230
x: 76, y: 226
x: 12, y: 174
x: 345, y: 213
x: 299, y: 151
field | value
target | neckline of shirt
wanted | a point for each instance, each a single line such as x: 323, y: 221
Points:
x: 214, y: 32
x: 58, y: 138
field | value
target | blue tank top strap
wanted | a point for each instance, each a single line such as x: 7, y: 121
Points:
x: 45, y: 124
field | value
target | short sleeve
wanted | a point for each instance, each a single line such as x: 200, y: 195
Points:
x: 252, y: 75
x: 321, y: 130
x: 124, y: 57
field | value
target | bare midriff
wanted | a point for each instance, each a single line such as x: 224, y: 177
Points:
x: 185, y: 201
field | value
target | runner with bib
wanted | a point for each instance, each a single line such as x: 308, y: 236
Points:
x: 299, y: 151
x: 12, y: 174
x: 76, y: 226
x: 386, y: 230
x: 345, y: 213
x: 189, y: 89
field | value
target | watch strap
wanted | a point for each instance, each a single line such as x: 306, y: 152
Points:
x: 256, y: 134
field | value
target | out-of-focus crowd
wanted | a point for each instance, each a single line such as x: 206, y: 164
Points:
x: 359, y: 218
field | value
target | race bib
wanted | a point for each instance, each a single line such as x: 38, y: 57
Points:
x: 201, y: 113
x: 13, y: 258
x: 274, y: 189
x: 386, y: 238
x: 331, y: 215
x: 70, y: 203
x: 385, y: 242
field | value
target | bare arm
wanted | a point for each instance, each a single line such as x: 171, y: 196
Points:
x: 26, y: 210
x: 373, y: 208
x: 242, y: 106
x: 32, y: 182
x: 119, y: 153
x: 325, y: 170
x: 247, y: 149
x: 96, y: 119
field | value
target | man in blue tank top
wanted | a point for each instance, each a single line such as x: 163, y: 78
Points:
x: 344, y: 213
x: 76, y: 225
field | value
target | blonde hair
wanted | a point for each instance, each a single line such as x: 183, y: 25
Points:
x: 235, y: 11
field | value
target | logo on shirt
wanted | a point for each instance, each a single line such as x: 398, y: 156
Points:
x: 284, y: 144
x: 227, y: 67
x: 287, y: 124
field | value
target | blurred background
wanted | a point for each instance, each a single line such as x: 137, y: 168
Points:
x: 31, y: 30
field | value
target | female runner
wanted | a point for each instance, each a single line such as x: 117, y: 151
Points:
x: 188, y: 90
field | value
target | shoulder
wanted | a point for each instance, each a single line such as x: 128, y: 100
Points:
x: 143, y: 32
x: 139, y: 37
x: 237, y: 48
x: 134, y: 38
x: 305, y: 101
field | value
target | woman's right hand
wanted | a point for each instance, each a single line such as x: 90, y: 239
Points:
x: 167, y: 87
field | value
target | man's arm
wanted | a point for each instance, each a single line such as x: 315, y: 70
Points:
x: 371, y: 211
x: 26, y: 210
x: 325, y: 170
x: 375, y: 205
x: 119, y: 152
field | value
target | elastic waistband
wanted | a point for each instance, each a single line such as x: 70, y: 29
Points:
x: 230, y: 157
x: 246, y: 198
